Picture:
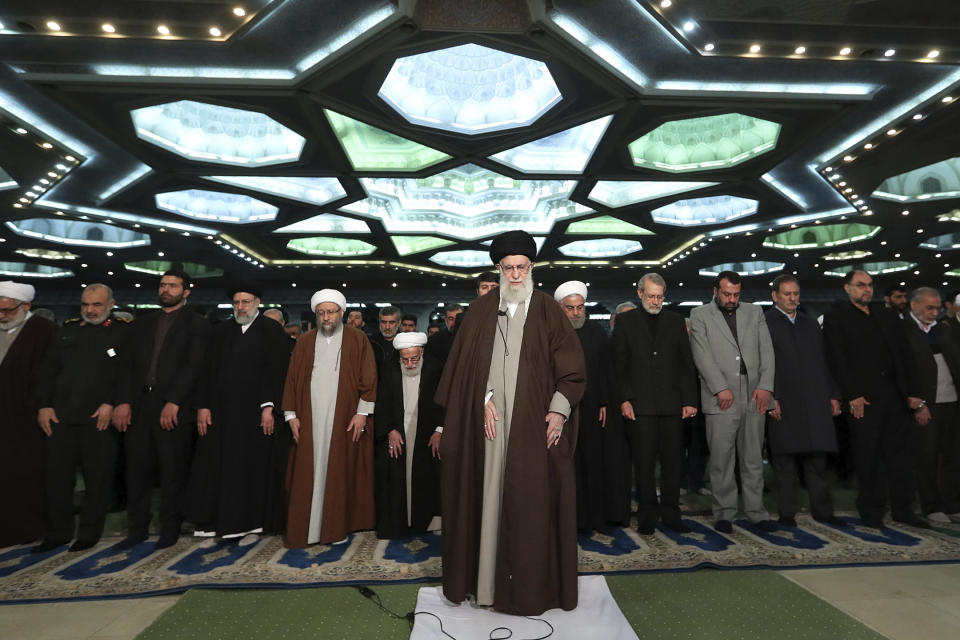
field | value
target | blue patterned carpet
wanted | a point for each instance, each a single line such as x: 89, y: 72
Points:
x: 105, y: 571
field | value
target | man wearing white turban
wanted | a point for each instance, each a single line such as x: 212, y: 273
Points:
x: 24, y: 338
x: 327, y: 402
x: 406, y: 449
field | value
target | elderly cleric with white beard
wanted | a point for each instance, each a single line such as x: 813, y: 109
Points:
x: 514, y: 373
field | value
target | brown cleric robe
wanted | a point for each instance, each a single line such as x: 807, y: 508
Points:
x: 348, y: 498
x: 536, y: 563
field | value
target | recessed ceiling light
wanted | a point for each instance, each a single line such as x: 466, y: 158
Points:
x: 947, y: 99
x: 869, y: 145
x: 20, y: 130
x: 889, y: 52
x: 905, y: 212
x: 754, y: 48
x: 215, y: 32
x: 800, y: 51
x: 689, y: 26
x: 109, y: 28
x: 163, y: 30
x: 918, y: 116
x: 709, y: 46
x: 933, y: 53
x: 848, y: 158
x: 891, y: 132
x: 47, y: 145
x: 666, y: 4
x: 53, y: 26
x: 239, y: 12
x: 828, y: 169
x: 69, y: 158
x: 845, y: 51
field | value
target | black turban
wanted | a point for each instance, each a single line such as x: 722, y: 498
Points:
x: 513, y: 243
x: 245, y: 286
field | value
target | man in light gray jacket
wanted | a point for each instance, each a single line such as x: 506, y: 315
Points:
x: 734, y: 356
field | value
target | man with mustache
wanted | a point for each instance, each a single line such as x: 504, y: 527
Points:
x: 327, y: 402
x: 514, y: 373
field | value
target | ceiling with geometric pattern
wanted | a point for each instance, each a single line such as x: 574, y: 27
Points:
x: 389, y: 142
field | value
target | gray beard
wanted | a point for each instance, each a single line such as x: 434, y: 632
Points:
x: 328, y: 333
x: 243, y: 321
x: 411, y: 373
x: 578, y: 322
x: 650, y: 310
x: 17, y: 320
x: 512, y: 294
x: 98, y: 320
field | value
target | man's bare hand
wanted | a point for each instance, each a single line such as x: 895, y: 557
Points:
x: 857, y: 406
x: 834, y: 407
x: 358, y: 424
x: 204, y: 420
x: 763, y: 398
x: 775, y: 412
x: 688, y: 412
x: 44, y: 417
x: 103, y: 414
x: 434, y: 444
x: 121, y: 417
x: 922, y: 416
x: 603, y: 417
x: 168, y: 416
x: 395, y: 443
x: 294, y: 428
x: 626, y: 410
x: 266, y: 420
x: 725, y: 399
x: 490, y: 417
x: 554, y: 427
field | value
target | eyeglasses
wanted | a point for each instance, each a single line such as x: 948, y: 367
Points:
x: 9, y: 310
x: 411, y: 360
x: 520, y: 269
x: 322, y: 313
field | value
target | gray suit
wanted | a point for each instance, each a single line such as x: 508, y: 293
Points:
x: 739, y: 429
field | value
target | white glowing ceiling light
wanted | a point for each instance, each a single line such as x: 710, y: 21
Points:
x: 946, y: 241
x: 932, y: 182
x: 47, y: 254
x: 606, y: 225
x: 6, y: 182
x: 564, y: 152
x: 200, y: 204
x: 463, y: 258
x: 216, y: 134
x: 315, y: 191
x: 79, y: 233
x: 468, y: 202
x: 408, y: 245
x: 873, y: 268
x: 159, y: 267
x: 949, y: 216
x: 326, y: 223
x: 755, y: 268
x: 470, y: 89
x: 620, y: 193
x: 848, y: 255
x: 331, y: 247
x: 31, y: 270
x: 600, y: 248
x: 701, y: 211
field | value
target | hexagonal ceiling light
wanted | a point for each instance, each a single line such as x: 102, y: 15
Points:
x: 710, y: 142
x: 46, y: 254
x: 821, y: 236
x: 873, y: 268
x: 315, y: 191
x: 848, y: 255
x: 606, y: 225
x: 468, y: 202
x: 326, y: 223
x: 944, y: 242
x: 754, y: 268
x: 6, y: 182
x: 201, y: 204
x: 159, y: 267
x: 701, y: 211
x: 79, y: 233
x: 620, y: 193
x: 371, y: 149
x: 331, y: 247
x: 408, y: 245
x: 217, y: 134
x: 31, y: 270
x: 469, y: 89
x: 932, y: 182
x: 463, y: 258
x: 600, y: 248
x: 568, y: 151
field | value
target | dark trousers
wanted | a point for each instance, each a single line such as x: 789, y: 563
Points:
x: 815, y: 475
x: 150, y: 448
x: 938, y: 459
x: 95, y: 452
x: 883, y: 445
x: 652, y: 437
x: 695, y: 444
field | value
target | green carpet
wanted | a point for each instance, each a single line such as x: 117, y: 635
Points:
x: 703, y: 605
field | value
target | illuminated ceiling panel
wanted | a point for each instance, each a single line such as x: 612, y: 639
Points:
x: 848, y: 255
x: 464, y: 258
x: 711, y: 142
x: 408, y: 245
x: 946, y: 241
x: 371, y: 149
x: 932, y: 182
x: 467, y: 202
x: 700, y: 211
x: 201, y: 204
x: 873, y: 268
x: 755, y: 268
x: 469, y: 89
x: 316, y: 191
x: 47, y: 254
x: 601, y: 248
x: 31, y: 270
x: 6, y: 182
x: 332, y: 247
x: 564, y: 152
x: 821, y: 236
x: 216, y: 134
x: 79, y: 233
x: 326, y: 223
x: 950, y: 216
x: 619, y: 193
x: 159, y: 267
x: 606, y: 225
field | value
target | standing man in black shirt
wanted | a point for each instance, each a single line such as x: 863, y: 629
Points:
x: 75, y: 392
x: 868, y: 354
x: 157, y: 408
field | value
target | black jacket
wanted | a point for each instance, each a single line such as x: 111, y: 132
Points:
x: 657, y: 376
x: 926, y: 365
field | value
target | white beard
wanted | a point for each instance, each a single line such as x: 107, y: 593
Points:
x: 650, y: 310
x: 245, y: 320
x: 15, y: 321
x: 512, y: 294
x: 412, y: 373
x: 578, y: 322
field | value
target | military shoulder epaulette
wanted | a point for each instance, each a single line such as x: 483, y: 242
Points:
x: 73, y: 321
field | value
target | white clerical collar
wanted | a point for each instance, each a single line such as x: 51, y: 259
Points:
x: 244, y: 327
x: 923, y: 327
x: 512, y: 306
x: 792, y: 318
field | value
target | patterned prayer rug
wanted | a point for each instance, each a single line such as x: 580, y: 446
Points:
x: 106, y: 572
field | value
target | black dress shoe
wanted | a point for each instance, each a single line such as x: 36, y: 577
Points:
x: 832, y: 520
x: 914, y: 521
x: 645, y: 529
x: 167, y: 541
x: 723, y: 526
x: 787, y: 521
x: 82, y: 545
x: 764, y: 525
x: 131, y: 541
x: 676, y: 525
x: 876, y: 523
x: 48, y: 545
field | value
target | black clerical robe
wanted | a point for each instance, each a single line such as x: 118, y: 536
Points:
x: 235, y: 485
x: 391, y: 473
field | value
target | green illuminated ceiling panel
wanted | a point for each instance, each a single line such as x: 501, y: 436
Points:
x: 946, y: 241
x: 821, y: 236
x: 331, y: 247
x: 606, y: 225
x: 711, y: 142
x: 600, y: 248
x: 159, y: 267
x: 949, y: 216
x: 620, y: 193
x: 47, y: 254
x: 326, y: 223
x: 408, y: 245
x: 848, y: 255
x: 78, y: 233
x: 873, y: 268
x: 371, y: 149
x: 755, y: 268
x: 564, y: 152
x: 31, y: 270
x: 932, y: 182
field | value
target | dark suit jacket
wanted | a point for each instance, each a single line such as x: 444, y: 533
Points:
x: 926, y: 365
x: 182, y: 359
x: 657, y: 376
x: 954, y: 325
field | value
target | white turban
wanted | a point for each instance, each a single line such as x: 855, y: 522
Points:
x: 571, y: 288
x: 328, y: 295
x: 409, y: 339
x: 17, y: 291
